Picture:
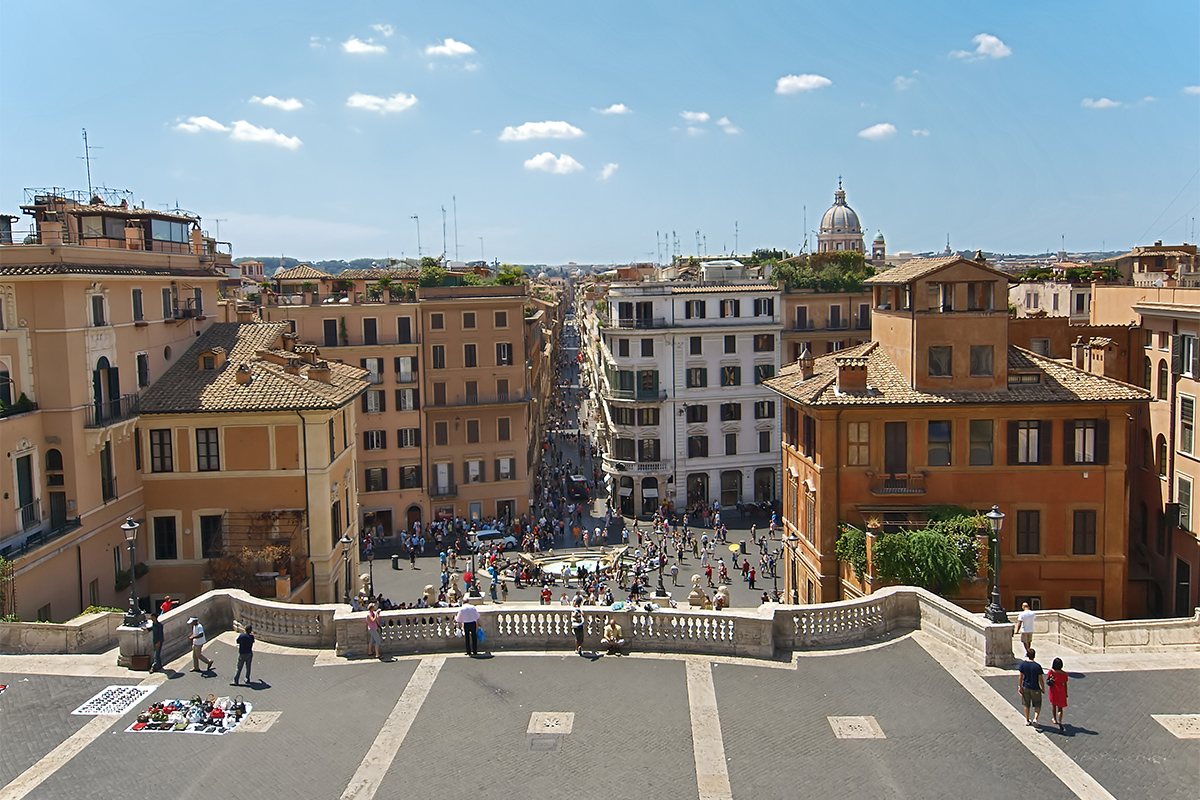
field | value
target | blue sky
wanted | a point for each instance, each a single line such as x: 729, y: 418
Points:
x: 319, y: 129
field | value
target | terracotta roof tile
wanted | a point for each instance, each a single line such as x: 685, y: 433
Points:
x: 920, y: 267
x: 15, y: 270
x: 887, y: 386
x: 185, y: 388
x: 300, y: 272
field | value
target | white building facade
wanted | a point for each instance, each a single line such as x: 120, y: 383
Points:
x: 683, y: 416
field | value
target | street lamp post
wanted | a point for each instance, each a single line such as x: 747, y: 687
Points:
x: 790, y: 546
x: 133, y: 618
x: 345, y: 540
x: 995, y: 611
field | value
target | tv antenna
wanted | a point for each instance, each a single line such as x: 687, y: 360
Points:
x: 219, y: 221
x: 455, y: 201
x: 87, y: 158
x: 414, y: 216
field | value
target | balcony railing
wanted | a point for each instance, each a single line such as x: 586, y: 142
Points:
x: 643, y: 394
x: 109, y: 412
x: 642, y: 323
x: 478, y: 399
x: 31, y: 515
x: 898, y: 484
x: 623, y: 465
x: 837, y: 325
x: 443, y: 490
x: 803, y: 325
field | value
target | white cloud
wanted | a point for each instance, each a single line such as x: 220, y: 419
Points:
x: 921, y: 132
x: 1191, y: 90
x: 607, y: 170
x: 291, y: 104
x: 615, y: 108
x: 790, y: 84
x: 694, y: 116
x: 986, y: 46
x: 876, y: 132
x: 728, y: 126
x: 384, y: 105
x: 901, y: 83
x: 1103, y: 102
x: 692, y: 130
x: 245, y: 132
x: 540, y: 130
x: 449, y: 47
x: 547, y: 162
x: 470, y: 66
x: 356, y: 45
x: 197, y: 124
x: 317, y: 42
x: 383, y: 28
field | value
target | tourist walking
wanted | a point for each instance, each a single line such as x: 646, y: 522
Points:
x: 468, y: 617
x: 156, y: 638
x: 1056, y: 685
x: 198, y: 640
x: 1025, y: 626
x: 373, y: 638
x: 577, y: 624
x: 1031, y: 684
x: 245, y: 643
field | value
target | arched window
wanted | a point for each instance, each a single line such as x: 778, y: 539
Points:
x: 1161, y: 449
x: 1163, y: 377
x: 1148, y: 378
x: 54, y: 468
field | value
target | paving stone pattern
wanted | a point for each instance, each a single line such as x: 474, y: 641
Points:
x: 630, y: 738
x: 35, y: 717
x: 940, y: 742
x: 1111, y: 734
x: 328, y: 719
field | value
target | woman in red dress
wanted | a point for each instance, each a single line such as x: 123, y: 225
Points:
x: 1056, y: 683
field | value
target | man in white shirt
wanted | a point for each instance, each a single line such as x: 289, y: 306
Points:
x: 198, y: 640
x: 1025, y: 625
x: 468, y: 617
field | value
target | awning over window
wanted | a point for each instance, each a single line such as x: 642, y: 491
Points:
x: 649, y: 492
x: 626, y: 491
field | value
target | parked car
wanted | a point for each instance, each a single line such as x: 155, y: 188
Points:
x: 485, y: 538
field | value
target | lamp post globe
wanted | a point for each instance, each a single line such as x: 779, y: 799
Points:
x: 133, y: 617
x: 995, y: 611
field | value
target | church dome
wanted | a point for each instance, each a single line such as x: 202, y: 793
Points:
x: 840, y: 218
x: 879, y: 236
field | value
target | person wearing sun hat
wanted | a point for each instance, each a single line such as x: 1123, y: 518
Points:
x: 198, y: 640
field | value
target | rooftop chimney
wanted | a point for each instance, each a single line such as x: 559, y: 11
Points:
x: 243, y: 374
x: 1079, y: 353
x: 852, y: 373
x: 805, y: 362
x: 320, y: 372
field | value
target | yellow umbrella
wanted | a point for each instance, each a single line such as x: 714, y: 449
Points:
x: 733, y: 548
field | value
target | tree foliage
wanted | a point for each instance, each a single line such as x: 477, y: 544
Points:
x: 938, y: 557
x: 851, y: 547
x: 839, y: 271
x: 510, y: 275
x: 431, y: 274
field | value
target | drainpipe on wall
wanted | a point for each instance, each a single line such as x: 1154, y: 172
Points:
x: 307, y: 525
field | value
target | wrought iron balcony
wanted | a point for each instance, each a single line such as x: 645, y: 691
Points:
x: 109, y: 412
x: 913, y: 483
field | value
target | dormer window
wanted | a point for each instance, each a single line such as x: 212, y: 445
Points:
x: 209, y: 362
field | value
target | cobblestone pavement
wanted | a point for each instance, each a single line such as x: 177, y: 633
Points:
x: 635, y: 721
x: 1110, y: 733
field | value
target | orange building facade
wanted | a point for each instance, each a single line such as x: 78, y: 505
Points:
x: 939, y: 410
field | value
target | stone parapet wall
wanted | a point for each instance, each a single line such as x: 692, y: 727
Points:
x: 764, y: 632
x: 89, y: 633
x: 1088, y: 634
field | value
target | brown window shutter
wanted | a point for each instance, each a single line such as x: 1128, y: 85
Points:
x: 1069, y: 441
x: 1045, y: 432
x: 1101, y: 441
x: 496, y: 466
x: 364, y: 402
x: 1012, y: 441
